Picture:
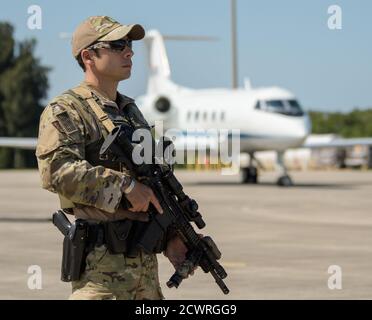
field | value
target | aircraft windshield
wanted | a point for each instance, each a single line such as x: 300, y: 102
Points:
x: 287, y: 107
x: 295, y: 107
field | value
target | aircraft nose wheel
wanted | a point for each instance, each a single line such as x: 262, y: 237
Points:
x: 285, y: 181
x: 250, y: 175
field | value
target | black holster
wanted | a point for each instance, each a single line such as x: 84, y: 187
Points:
x: 120, y: 237
x: 74, y: 252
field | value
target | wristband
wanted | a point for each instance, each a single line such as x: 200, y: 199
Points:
x: 130, y: 187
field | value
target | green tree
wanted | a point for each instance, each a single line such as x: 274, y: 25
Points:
x: 357, y: 123
x: 6, y: 62
x: 23, y: 84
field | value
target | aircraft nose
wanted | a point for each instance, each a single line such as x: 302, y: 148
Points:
x: 302, y: 128
x: 307, y: 124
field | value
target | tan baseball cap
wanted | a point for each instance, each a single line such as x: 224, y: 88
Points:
x: 102, y: 28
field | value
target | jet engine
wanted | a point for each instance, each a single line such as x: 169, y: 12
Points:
x: 162, y: 104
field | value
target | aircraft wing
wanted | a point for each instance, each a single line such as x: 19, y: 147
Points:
x: 18, y: 143
x: 337, y: 143
x: 193, y: 142
x: 182, y: 142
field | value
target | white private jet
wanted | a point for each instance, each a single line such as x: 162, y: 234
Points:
x: 269, y: 118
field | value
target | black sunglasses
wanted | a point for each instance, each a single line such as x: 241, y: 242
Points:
x: 117, y: 45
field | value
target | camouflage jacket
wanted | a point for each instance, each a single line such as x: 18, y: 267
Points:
x: 68, y: 129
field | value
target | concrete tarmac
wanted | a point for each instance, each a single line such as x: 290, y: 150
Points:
x: 277, y: 243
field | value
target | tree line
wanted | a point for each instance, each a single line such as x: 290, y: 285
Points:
x: 23, y: 85
x: 355, y: 124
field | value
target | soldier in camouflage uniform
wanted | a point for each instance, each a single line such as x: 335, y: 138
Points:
x: 70, y: 136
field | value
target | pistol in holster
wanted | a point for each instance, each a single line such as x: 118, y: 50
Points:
x: 74, y: 246
x: 81, y: 236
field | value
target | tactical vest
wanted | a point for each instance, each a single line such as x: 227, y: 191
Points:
x: 86, y: 103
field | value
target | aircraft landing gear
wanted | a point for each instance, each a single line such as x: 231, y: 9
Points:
x: 250, y: 174
x: 284, y: 180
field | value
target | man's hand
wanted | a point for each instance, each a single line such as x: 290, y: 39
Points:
x: 140, y: 198
x: 176, y: 252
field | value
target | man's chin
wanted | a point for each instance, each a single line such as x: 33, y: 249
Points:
x: 125, y: 76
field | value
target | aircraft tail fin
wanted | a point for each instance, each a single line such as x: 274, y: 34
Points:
x: 160, y: 73
x: 159, y: 69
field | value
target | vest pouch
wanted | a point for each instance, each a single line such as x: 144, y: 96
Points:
x: 116, y: 235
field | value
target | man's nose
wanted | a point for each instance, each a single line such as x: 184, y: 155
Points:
x: 128, y: 52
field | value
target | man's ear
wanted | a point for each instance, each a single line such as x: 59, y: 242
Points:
x: 87, y: 57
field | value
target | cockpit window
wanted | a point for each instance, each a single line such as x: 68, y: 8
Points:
x: 288, y: 107
x: 276, y: 105
x: 295, y: 107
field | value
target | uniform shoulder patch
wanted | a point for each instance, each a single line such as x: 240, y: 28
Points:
x: 63, y: 119
x: 58, y: 126
x: 66, y: 123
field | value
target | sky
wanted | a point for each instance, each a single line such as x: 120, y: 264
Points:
x: 283, y: 43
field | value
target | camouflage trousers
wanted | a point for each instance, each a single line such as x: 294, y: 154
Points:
x: 117, y: 277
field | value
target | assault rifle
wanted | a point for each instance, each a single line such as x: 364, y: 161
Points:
x: 179, y: 210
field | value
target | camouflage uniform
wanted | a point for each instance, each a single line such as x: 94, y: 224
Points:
x: 70, y: 135
x: 117, y: 277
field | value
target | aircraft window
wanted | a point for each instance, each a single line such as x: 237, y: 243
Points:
x: 294, y: 104
x: 213, y: 115
x: 196, y: 115
x: 222, y: 116
x: 188, y: 115
x: 275, y: 104
x: 295, y: 108
x: 287, y: 107
x: 205, y: 116
x: 258, y: 105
